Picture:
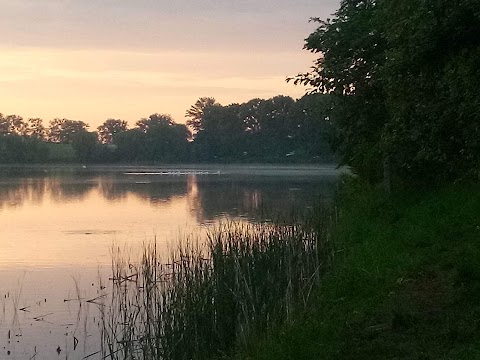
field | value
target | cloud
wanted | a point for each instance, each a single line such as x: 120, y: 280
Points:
x: 93, y: 59
x: 90, y: 85
x: 152, y: 24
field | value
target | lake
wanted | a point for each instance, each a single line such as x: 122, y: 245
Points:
x: 60, y: 224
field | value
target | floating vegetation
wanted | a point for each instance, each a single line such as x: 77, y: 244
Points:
x: 209, y: 297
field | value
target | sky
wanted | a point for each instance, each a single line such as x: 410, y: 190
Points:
x: 91, y: 60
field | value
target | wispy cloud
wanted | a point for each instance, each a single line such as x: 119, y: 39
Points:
x: 92, y: 59
x: 149, y: 24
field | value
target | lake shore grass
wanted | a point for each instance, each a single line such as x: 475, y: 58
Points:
x: 405, y: 282
x: 208, y: 299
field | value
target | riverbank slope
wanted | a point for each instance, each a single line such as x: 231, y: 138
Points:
x: 405, y: 283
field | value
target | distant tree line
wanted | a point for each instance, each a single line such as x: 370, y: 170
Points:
x: 403, y: 76
x: 274, y: 130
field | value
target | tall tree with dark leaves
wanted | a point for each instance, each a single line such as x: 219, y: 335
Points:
x: 154, y: 139
x: 404, y: 75
x: 223, y: 135
x: 196, y: 112
x: 36, y: 129
x: 65, y: 130
x: 154, y: 120
x: 12, y: 125
x: 431, y: 79
x: 111, y: 128
x: 351, y: 51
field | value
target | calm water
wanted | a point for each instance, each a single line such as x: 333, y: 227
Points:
x: 58, y: 226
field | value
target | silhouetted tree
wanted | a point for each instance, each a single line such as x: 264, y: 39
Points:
x: 277, y: 126
x: 222, y: 136
x: 16, y: 149
x: 312, y: 128
x: 12, y: 125
x: 196, y: 111
x: 85, y: 145
x: 154, y: 120
x: 64, y: 130
x: 352, y: 50
x: 155, y: 139
x: 250, y: 113
x: 431, y: 77
x: 404, y: 78
x: 109, y: 129
x: 35, y: 129
x: 259, y: 130
x: 131, y: 146
x: 4, y: 128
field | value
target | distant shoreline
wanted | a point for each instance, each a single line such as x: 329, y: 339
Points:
x: 230, y: 169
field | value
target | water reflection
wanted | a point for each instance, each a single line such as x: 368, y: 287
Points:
x: 16, y: 194
x: 149, y: 189
x: 66, y: 190
x: 208, y: 196
x: 58, y: 226
x: 20, y: 192
x: 257, y: 198
x: 71, y: 216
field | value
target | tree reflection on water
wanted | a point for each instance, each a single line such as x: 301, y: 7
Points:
x: 208, y: 196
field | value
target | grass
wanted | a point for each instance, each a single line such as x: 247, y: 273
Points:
x: 209, y: 300
x: 405, y: 283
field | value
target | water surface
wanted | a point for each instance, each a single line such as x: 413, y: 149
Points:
x: 58, y: 226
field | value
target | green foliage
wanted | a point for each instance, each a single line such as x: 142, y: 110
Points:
x: 13, y: 125
x: 17, y: 149
x: 404, y: 77
x: 279, y: 129
x: 430, y: 77
x: 210, y: 298
x: 61, y: 153
x: 64, y: 130
x: 222, y: 136
x: 35, y: 129
x: 154, y: 121
x: 130, y: 145
x: 196, y: 112
x: 351, y: 53
x: 155, y: 139
x: 85, y: 145
x: 109, y: 129
x: 404, y: 282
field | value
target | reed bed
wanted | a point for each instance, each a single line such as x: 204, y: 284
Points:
x: 209, y: 297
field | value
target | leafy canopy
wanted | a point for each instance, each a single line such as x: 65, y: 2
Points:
x: 404, y: 76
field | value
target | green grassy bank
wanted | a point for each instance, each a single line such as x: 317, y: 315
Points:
x: 405, y: 282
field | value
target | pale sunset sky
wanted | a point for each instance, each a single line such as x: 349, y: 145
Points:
x: 91, y: 60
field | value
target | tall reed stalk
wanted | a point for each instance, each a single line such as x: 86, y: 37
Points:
x: 209, y: 298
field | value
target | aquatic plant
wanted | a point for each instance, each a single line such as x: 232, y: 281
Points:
x: 209, y: 297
